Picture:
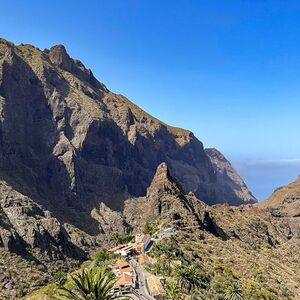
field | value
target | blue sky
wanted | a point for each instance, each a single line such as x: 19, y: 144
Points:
x: 227, y: 70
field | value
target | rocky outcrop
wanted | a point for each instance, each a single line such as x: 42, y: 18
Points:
x: 232, y: 188
x: 285, y: 200
x: 24, y: 224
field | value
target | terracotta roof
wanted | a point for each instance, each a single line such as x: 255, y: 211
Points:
x: 122, y: 264
x: 126, y: 270
x: 118, y: 247
x: 124, y: 279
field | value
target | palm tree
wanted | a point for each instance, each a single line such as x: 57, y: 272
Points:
x: 156, y: 268
x: 173, y: 292
x: 234, y: 292
x: 190, y: 277
x: 94, y: 284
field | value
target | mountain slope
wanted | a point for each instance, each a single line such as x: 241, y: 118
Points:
x: 66, y: 136
x: 284, y: 203
x: 285, y: 200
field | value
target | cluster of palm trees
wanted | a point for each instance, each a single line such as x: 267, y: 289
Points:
x: 198, y: 288
x: 191, y: 277
x: 188, y: 278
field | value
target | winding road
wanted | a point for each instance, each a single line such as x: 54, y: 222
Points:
x: 141, y: 275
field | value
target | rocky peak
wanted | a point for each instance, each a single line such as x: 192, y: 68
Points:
x: 58, y: 56
x: 163, y: 183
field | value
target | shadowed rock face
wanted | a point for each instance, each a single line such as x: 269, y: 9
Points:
x: 166, y: 202
x: 71, y: 153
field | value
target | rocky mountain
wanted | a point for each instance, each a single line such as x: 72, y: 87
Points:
x: 68, y: 144
x: 79, y: 163
x: 284, y: 204
x: 285, y: 200
x: 73, y: 155
x: 66, y: 136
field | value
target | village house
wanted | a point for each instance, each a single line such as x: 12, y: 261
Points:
x: 116, y: 249
x: 123, y: 250
x: 142, y: 242
x: 127, y: 277
x: 125, y: 281
x: 122, y: 267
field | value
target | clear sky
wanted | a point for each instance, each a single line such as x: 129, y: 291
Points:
x: 227, y: 70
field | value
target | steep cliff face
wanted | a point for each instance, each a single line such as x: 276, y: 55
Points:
x: 70, y: 143
x: 231, y: 185
x: 165, y: 200
x: 78, y: 162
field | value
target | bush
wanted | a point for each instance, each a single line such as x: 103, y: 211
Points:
x: 122, y: 239
x: 60, y: 278
x: 101, y: 256
x: 150, y: 228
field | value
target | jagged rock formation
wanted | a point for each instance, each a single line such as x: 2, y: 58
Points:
x: 68, y: 144
x: 229, y: 180
x: 250, y: 239
x: 166, y: 202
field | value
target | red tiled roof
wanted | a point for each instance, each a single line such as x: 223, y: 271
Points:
x: 126, y: 270
x: 124, y: 279
x: 118, y: 247
x: 122, y: 264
